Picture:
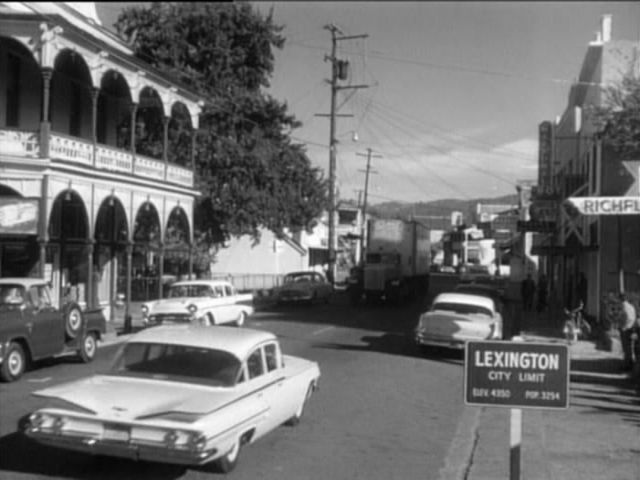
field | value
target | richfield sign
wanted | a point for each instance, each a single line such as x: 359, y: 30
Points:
x: 606, y: 205
x: 517, y: 374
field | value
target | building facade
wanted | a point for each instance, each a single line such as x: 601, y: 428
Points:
x: 86, y: 200
x: 573, y: 163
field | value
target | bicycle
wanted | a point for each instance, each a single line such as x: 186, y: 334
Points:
x: 576, y: 325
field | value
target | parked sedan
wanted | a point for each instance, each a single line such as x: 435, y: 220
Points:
x: 209, y: 302
x: 455, y: 318
x: 304, y: 287
x: 206, y: 392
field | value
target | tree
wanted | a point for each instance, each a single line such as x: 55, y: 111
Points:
x: 250, y: 172
x: 619, y: 117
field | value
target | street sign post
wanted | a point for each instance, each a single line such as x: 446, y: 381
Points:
x: 516, y: 375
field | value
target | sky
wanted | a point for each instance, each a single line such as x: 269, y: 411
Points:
x: 454, y: 93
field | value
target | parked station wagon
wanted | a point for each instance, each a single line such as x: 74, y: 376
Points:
x: 206, y: 391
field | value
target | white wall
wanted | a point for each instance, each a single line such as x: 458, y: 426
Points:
x: 269, y: 256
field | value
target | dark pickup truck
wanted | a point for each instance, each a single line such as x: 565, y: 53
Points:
x: 31, y: 328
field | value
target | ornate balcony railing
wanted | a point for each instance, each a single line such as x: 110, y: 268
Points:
x: 147, y: 167
x: 78, y: 151
x: 179, y: 175
x: 115, y: 160
x: 70, y: 149
x: 19, y: 143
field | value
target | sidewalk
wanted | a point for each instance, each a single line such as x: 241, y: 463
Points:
x: 597, y: 437
x: 116, y: 330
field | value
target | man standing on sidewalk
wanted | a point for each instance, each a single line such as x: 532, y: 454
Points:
x: 627, y: 325
x: 527, y: 290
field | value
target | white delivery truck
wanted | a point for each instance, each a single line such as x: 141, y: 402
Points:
x: 397, y: 260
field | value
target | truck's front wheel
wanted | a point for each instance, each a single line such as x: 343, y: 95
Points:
x: 14, y: 363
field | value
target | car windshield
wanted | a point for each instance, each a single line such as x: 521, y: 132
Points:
x: 177, y: 363
x: 298, y: 277
x: 461, y: 308
x: 177, y: 291
x: 11, y: 294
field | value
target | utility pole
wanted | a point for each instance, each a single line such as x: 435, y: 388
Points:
x: 339, y: 69
x: 366, y: 191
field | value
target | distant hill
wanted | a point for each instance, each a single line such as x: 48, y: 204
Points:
x: 437, y: 208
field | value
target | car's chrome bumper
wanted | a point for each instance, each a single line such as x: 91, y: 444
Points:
x: 429, y: 341
x: 128, y: 450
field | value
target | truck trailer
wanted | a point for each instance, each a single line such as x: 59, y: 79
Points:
x: 397, y: 261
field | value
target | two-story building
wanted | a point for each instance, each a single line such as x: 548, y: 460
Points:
x: 86, y: 200
x: 574, y: 162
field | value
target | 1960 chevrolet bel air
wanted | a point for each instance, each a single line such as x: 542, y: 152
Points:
x: 182, y: 394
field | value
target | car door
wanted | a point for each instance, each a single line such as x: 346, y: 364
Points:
x: 265, y: 386
x: 231, y: 306
x: 44, y: 322
x: 322, y: 286
x: 220, y: 305
x: 281, y: 397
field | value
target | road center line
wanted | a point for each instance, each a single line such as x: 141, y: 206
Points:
x: 322, y: 330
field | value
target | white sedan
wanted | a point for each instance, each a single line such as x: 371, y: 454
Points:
x: 209, y: 302
x: 180, y: 394
x: 455, y: 318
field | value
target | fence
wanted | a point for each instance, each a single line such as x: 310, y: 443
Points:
x: 250, y: 281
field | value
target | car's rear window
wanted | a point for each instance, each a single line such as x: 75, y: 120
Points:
x: 461, y: 308
x: 178, y: 363
x: 299, y: 277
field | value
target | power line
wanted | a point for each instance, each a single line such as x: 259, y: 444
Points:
x: 458, y: 68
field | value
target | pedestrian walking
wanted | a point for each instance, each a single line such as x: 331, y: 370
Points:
x: 527, y: 290
x: 628, y: 324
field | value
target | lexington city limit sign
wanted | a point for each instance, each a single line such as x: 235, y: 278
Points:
x: 517, y: 374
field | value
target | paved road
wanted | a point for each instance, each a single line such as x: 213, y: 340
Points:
x: 381, y: 412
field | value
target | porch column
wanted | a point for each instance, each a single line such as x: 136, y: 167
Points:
x: 165, y: 144
x: 45, y: 121
x: 194, y: 134
x: 95, y: 92
x: 43, y: 236
x: 127, y: 305
x: 134, y: 112
x: 91, y: 282
x: 160, y: 268
x: 42, y: 242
